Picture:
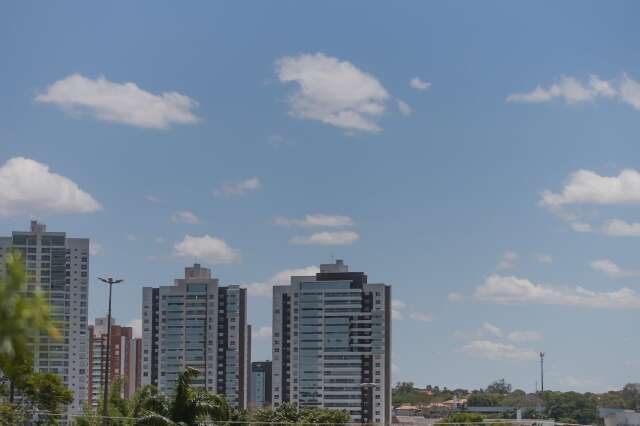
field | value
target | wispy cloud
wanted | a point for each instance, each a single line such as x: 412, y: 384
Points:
x: 263, y: 332
x: 404, y: 107
x: 611, y: 269
x: 120, y: 102
x: 455, y: 297
x: 315, y: 220
x: 326, y: 238
x: 620, y: 228
x: 185, y: 216
x: 513, y: 290
x: 496, y: 351
x: 508, y: 260
x: 264, y: 289
x: 239, y: 188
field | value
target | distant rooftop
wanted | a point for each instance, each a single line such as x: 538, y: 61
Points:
x: 339, y: 266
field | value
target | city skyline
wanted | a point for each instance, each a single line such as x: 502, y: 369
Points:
x: 480, y: 158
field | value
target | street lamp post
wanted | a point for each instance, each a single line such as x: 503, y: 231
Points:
x: 105, y: 396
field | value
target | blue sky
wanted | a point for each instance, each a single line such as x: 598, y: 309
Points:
x: 239, y: 120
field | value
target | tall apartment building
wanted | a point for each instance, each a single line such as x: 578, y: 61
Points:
x: 59, y: 267
x: 332, y: 344
x: 260, y: 390
x: 124, y: 359
x: 197, y: 323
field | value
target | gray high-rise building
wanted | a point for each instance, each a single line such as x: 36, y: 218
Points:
x: 260, y: 390
x: 332, y: 344
x: 197, y: 323
x: 59, y: 267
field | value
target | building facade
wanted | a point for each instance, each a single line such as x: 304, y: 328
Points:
x: 59, y: 267
x: 197, y: 323
x: 332, y: 344
x: 124, y: 359
x: 260, y: 390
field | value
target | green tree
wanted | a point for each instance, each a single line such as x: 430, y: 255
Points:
x: 288, y: 413
x: 631, y: 395
x: 571, y: 407
x: 500, y: 387
x: 188, y: 405
x: 46, y: 392
x: 483, y: 399
x: 23, y: 315
x: 462, y: 418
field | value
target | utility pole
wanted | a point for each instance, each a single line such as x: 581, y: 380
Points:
x: 542, y: 372
x: 105, y: 396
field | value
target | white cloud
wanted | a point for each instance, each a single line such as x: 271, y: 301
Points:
x: 421, y: 316
x: 524, y: 336
x: 264, y: 289
x: 120, y: 102
x: 508, y: 260
x: 208, y: 248
x: 455, y: 297
x: 570, y: 89
x: 332, y: 91
x: 95, y: 248
x: 160, y: 240
x: 609, y: 268
x: 580, y: 227
x: 315, y: 220
x: 185, y: 216
x: 404, y: 107
x: 495, y: 351
x: 132, y: 237
x: 630, y: 91
x: 151, y: 198
x: 418, y: 84
x: 28, y: 187
x: 587, y: 187
x: 326, y: 238
x: 239, y: 188
x: 490, y: 329
x: 263, y: 332
x: 513, y: 290
x: 544, y: 258
x: 397, y: 306
x: 620, y: 228
x: 136, y: 325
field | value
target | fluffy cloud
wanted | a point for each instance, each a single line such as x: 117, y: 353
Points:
x: 332, y: 91
x: 207, y: 248
x: 326, y: 238
x: 587, y: 187
x: 570, y: 89
x: 185, y: 216
x: 263, y: 332
x: 239, y: 188
x: 151, y: 198
x: 495, y: 351
x: 490, y: 329
x: 404, y: 107
x: 524, y: 336
x: 609, y: 268
x: 28, y: 187
x: 514, y: 290
x: 455, y: 297
x: 136, y: 325
x: 264, y: 289
x: 418, y: 84
x: 315, y: 220
x: 421, y: 316
x: 507, y: 261
x: 630, y: 91
x: 620, y: 228
x: 120, y: 103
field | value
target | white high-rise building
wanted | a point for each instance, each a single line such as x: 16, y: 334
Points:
x: 196, y: 323
x: 59, y: 267
x: 332, y: 344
